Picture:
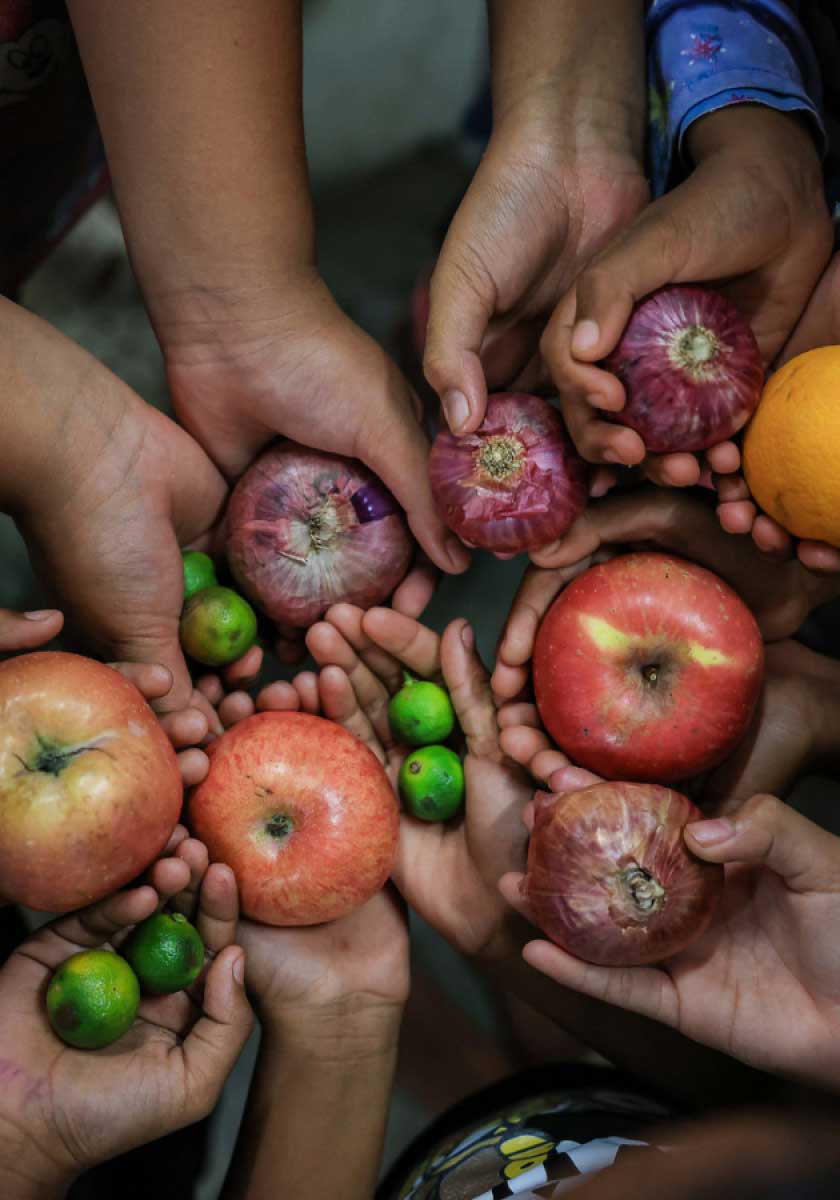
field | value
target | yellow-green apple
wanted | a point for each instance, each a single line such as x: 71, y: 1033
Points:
x: 648, y: 667
x: 90, y: 789
x: 302, y: 812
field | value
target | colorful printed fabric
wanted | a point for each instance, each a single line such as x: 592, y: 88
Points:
x: 704, y: 56
x: 52, y: 162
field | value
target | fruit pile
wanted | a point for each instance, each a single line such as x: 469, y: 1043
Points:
x: 217, y: 624
x: 431, y: 778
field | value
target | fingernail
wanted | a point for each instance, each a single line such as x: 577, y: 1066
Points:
x: 711, y: 833
x: 41, y: 614
x: 456, y: 408
x: 585, y: 336
x: 610, y: 456
x: 239, y: 969
x: 467, y: 636
x: 457, y: 552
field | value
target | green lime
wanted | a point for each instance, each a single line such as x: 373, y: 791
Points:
x: 421, y: 713
x: 217, y: 626
x: 166, y: 952
x: 199, y: 572
x: 432, y: 783
x: 92, y: 999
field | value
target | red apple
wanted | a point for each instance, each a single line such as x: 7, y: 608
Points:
x: 648, y: 667
x: 302, y: 812
x: 89, y: 783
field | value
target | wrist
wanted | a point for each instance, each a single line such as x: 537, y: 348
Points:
x: 347, y: 1031
x: 753, y: 130
x: 26, y: 1173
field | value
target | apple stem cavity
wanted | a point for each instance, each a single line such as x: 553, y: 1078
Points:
x: 49, y: 757
x: 501, y: 457
x: 693, y: 349
x: 647, y: 893
x: 650, y: 673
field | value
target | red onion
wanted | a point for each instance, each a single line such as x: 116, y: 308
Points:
x: 306, y: 530
x: 691, y: 369
x: 516, y: 483
x: 610, y: 878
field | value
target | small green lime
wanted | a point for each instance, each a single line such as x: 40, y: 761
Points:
x: 432, y: 783
x: 421, y: 713
x: 93, y: 999
x: 199, y: 573
x: 217, y: 626
x: 166, y: 952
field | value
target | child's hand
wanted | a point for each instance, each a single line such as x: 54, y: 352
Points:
x: 64, y: 1110
x: 28, y: 630
x: 780, y: 594
x: 763, y: 984
x: 447, y: 873
x: 752, y: 212
x: 819, y: 325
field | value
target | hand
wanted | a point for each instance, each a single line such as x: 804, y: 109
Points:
x: 780, y: 594
x: 550, y: 192
x: 818, y: 326
x: 753, y: 212
x: 447, y: 873
x: 64, y: 1110
x: 298, y: 367
x: 763, y: 984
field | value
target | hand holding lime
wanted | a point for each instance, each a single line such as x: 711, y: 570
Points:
x: 166, y: 952
x: 217, y: 626
x: 199, y: 573
x: 432, y: 783
x: 421, y: 713
x: 93, y: 999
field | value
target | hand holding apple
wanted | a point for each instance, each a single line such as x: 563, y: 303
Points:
x: 64, y: 1110
x: 447, y: 873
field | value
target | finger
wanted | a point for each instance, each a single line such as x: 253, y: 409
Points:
x: 217, y: 913
x: 771, y: 538
x: 510, y: 886
x: 546, y: 763
x: 511, y: 715
x: 349, y: 621
x: 168, y: 876
x: 151, y: 679
x: 178, y: 835
x: 26, y: 630
x: 329, y: 648
x: 243, y: 672
x: 305, y: 684
x: 522, y: 744
x: 469, y: 690
x: 571, y: 779
x: 278, y: 697
x: 534, y: 596
x: 413, y: 645
x: 817, y: 556
x: 93, y: 926
x: 461, y: 300
x: 672, y: 470
x: 724, y: 459
x: 766, y: 832
x: 199, y: 701
x: 188, y: 727
x: 235, y: 707
x: 732, y: 489
x: 340, y: 704
x: 596, y: 440
x: 194, y: 856
x: 413, y: 595
x: 216, y: 1040
x: 211, y: 688
x: 193, y: 765
x: 737, y: 516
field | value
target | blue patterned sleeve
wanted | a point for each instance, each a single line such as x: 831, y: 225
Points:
x: 705, y: 55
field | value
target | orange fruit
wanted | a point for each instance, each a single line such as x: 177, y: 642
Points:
x: 792, y: 446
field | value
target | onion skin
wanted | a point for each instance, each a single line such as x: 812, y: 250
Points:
x: 677, y: 399
x: 305, y: 530
x: 535, y: 502
x: 583, y: 860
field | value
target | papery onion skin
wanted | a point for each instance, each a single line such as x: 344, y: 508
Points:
x: 591, y: 850
x: 698, y: 404
x: 539, y: 498
x: 305, y: 530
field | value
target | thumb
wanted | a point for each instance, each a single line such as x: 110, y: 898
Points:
x: 766, y: 832
x: 216, y: 1040
x: 25, y: 631
x: 462, y: 299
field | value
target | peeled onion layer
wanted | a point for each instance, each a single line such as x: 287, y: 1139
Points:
x: 610, y: 879
x: 305, y: 530
x: 691, y: 369
x: 514, y: 485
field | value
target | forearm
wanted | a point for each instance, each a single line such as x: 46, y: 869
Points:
x: 316, y: 1115
x: 200, y: 108
x: 581, y: 62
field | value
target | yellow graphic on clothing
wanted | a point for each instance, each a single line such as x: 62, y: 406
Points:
x: 524, y: 1152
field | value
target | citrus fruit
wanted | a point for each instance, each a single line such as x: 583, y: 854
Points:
x: 432, y: 783
x: 92, y: 999
x: 199, y: 572
x: 792, y: 446
x: 421, y: 713
x: 217, y: 626
x: 166, y: 952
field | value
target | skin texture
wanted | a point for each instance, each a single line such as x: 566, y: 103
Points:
x: 752, y: 214
x: 647, y: 667
x: 328, y: 802
x: 63, y: 1110
x: 104, y: 812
